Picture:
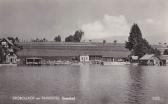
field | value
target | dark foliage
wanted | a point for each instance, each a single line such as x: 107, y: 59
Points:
x: 128, y: 45
x: 2, y: 56
x: 115, y: 41
x: 138, y: 45
x: 77, y: 37
x: 70, y: 38
x: 104, y: 41
x: 57, y: 38
x: 11, y: 39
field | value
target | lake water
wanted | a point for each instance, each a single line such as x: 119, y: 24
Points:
x: 86, y: 84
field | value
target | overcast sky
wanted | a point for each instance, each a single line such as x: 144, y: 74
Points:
x: 99, y: 19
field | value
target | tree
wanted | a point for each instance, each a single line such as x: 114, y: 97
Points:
x: 17, y: 39
x: 104, y: 41
x: 128, y: 45
x: 138, y: 50
x: 77, y: 37
x: 44, y: 40
x: 138, y: 45
x: 135, y: 37
x: 69, y: 39
x: 135, y: 43
x: 57, y: 38
x: 115, y: 41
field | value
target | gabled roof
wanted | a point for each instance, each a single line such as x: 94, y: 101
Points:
x: 7, y: 40
x: 147, y: 57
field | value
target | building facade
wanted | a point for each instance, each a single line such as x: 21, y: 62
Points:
x: 149, y: 59
x: 84, y: 58
x: 11, y: 59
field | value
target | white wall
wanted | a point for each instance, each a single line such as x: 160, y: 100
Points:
x: 84, y: 58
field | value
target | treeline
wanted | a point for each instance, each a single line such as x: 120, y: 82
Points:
x: 77, y: 37
x: 138, y: 45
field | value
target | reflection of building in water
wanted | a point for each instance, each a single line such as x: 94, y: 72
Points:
x: 84, y: 83
x: 73, y: 50
x: 136, y: 89
x: 84, y: 76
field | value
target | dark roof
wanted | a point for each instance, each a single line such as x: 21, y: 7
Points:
x: 116, y: 54
x: 51, y: 49
x: 50, y: 53
x: 74, y: 46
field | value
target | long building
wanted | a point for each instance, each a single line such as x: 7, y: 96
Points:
x: 72, y: 50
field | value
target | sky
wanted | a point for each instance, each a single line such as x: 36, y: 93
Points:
x: 99, y: 19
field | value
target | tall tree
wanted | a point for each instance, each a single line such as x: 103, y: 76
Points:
x: 137, y: 44
x: 104, y: 41
x: 134, y: 43
x: 135, y: 36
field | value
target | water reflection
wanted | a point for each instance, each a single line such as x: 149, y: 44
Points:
x: 103, y: 84
x: 136, y: 90
x: 90, y: 84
